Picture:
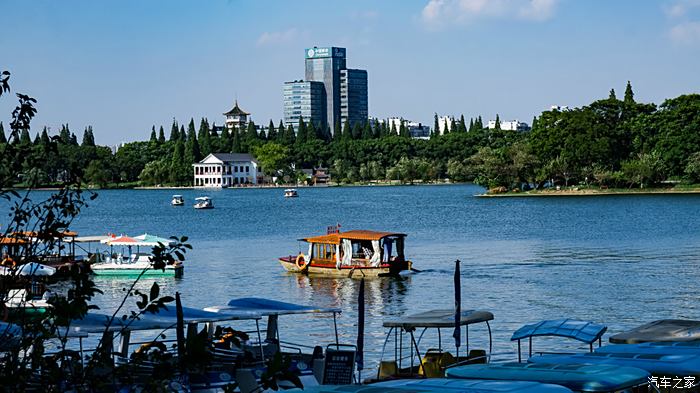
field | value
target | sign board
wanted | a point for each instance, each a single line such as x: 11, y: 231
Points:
x: 314, y: 53
x: 338, y: 367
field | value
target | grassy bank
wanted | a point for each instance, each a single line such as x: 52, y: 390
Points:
x: 596, y: 191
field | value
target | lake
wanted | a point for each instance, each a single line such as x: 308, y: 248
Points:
x: 618, y: 260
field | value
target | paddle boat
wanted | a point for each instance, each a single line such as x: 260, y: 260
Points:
x: 433, y: 362
x: 579, y: 378
x: 290, y: 193
x: 658, y: 363
x: 177, y: 200
x: 203, y: 203
x: 356, y: 253
x: 332, y: 364
x: 440, y: 386
x: 132, y: 263
x: 674, y: 330
x: 135, y: 337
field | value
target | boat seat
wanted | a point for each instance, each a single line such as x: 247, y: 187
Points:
x: 434, y: 363
x: 388, y: 369
x: 477, y: 356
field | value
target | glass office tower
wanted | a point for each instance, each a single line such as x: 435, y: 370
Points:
x: 304, y: 100
x: 353, y: 97
x: 324, y: 65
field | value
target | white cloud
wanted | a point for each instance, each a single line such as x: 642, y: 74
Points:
x: 441, y: 12
x: 687, y: 33
x: 680, y: 8
x: 278, y: 37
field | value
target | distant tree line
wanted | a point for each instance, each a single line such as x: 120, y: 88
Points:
x: 611, y: 142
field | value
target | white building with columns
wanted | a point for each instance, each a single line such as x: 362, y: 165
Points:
x: 221, y: 170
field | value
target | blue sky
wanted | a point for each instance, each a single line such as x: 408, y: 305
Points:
x: 122, y: 66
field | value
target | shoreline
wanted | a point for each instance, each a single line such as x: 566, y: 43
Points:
x: 591, y: 193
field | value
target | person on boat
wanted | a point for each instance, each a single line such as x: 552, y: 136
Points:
x: 7, y: 261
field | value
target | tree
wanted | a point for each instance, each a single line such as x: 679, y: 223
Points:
x: 3, y: 138
x: 436, y: 125
x: 271, y: 132
x: 161, y: 135
x: 498, y: 122
x: 301, y: 132
x: 281, y: 133
x: 236, y: 146
x: 97, y: 174
x: 178, y: 163
x: 629, y: 94
x: 192, y: 152
x: 25, y: 138
x: 462, y: 124
x: 273, y: 157
x: 153, y: 139
x: 347, y: 132
x: 174, y: 131
x: 64, y: 135
x: 89, y: 138
x: 612, y: 95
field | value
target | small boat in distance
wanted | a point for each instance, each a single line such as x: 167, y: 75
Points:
x: 177, y: 200
x: 357, y: 253
x: 203, y: 203
x: 290, y: 193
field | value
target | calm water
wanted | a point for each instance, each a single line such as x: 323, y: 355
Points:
x: 616, y: 260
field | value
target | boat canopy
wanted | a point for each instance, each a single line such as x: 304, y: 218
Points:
x: 201, y: 199
x: 587, y: 332
x: 335, y: 238
x: 657, y: 364
x: 439, y: 319
x: 177, y: 196
x: 267, y: 307
x: 120, y: 241
x: 164, y: 319
x: 661, y: 330
x: 91, y: 239
x: 577, y: 377
x: 152, y: 240
x: 439, y: 385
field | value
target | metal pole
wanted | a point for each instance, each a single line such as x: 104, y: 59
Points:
x: 520, y: 360
x: 335, y: 327
x: 262, y: 353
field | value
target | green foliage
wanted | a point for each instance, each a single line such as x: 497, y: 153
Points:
x: 273, y: 157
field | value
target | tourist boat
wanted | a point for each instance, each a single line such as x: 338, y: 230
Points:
x: 177, y: 200
x: 203, y: 203
x: 356, y: 253
x: 433, y: 362
x: 290, y: 193
x: 133, y: 262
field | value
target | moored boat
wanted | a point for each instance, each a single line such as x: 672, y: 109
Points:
x: 111, y: 263
x: 356, y: 253
x: 290, y: 193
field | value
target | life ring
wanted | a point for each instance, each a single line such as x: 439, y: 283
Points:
x: 300, y: 265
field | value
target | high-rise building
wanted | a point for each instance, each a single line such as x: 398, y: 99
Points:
x: 344, y: 91
x: 353, y: 96
x: 304, y: 100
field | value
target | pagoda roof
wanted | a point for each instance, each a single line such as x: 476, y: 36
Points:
x: 236, y: 111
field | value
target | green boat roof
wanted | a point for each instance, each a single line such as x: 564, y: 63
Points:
x: 577, y: 377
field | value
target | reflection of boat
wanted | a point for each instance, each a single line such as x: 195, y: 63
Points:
x: 203, y: 203
x: 355, y: 253
x: 177, y: 200
x: 290, y: 193
x: 432, y: 363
